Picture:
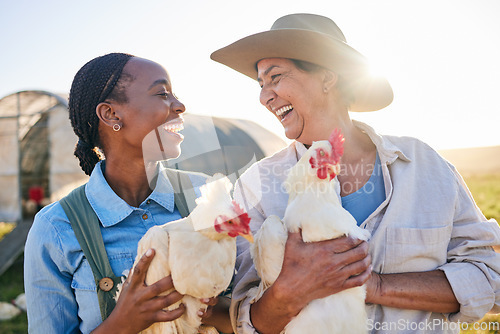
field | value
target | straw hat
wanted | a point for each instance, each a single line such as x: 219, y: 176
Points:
x: 315, y: 39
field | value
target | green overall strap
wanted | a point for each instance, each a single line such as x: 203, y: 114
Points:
x: 86, y: 226
x: 184, y: 194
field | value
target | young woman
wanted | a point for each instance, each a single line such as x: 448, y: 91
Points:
x: 126, y: 117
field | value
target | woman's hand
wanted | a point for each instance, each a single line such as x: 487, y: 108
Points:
x: 310, y: 271
x: 316, y: 270
x: 210, y: 302
x: 217, y: 313
x: 140, y: 305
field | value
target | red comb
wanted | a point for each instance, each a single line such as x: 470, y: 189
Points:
x: 241, y: 213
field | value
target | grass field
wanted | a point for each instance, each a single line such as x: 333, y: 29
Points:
x: 485, y: 189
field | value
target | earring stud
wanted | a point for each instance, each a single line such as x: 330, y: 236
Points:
x: 116, y: 127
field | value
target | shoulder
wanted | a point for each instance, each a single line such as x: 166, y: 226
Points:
x: 49, y: 231
x: 425, y: 163
x: 418, y: 151
x: 51, y: 217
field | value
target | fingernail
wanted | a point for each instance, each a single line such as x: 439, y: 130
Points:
x: 149, y: 252
x: 205, y: 300
x: 200, y: 313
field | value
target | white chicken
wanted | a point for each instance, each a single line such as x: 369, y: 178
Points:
x: 199, y: 251
x: 314, y: 206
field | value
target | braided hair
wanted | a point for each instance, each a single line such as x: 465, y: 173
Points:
x: 95, y: 82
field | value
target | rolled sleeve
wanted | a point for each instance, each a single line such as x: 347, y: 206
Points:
x: 471, y: 288
x: 473, y: 267
x: 242, y: 324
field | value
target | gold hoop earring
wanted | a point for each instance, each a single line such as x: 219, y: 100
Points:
x: 116, y: 127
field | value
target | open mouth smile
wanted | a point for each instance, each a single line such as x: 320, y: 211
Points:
x: 283, y: 111
x: 174, y: 126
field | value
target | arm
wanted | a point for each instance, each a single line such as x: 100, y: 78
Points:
x: 47, y: 285
x: 473, y: 267
x: 464, y: 286
x: 139, y: 305
x: 310, y: 271
x: 426, y: 291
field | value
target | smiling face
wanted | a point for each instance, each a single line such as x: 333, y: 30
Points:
x: 294, y: 96
x: 151, y: 115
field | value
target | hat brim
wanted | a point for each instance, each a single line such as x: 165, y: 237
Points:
x: 370, y: 92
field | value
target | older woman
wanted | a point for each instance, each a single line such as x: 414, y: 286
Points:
x: 429, y: 261
x: 122, y: 108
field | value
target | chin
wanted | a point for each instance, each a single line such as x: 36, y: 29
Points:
x: 296, y: 134
x: 172, y: 153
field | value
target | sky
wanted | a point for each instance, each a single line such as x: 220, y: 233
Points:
x: 440, y: 56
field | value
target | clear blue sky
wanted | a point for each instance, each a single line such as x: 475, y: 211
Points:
x: 441, y: 56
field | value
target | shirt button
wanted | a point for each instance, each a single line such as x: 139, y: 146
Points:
x: 144, y: 216
x: 106, y: 284
x: 148, y: 201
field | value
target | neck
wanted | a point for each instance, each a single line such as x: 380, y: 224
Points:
x: 356, y: 144
x: 128, y: 178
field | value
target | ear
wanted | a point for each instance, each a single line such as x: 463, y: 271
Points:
x: 329, y: 80
x: 107, y: 114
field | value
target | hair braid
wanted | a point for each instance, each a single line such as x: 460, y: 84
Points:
x: 93, y: 84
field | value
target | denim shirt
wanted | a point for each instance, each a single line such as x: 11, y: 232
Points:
x: 427, y: 221
x: 59, y: 284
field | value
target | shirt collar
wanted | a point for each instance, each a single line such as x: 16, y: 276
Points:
x: 110, y: 208
x: 388, y: 152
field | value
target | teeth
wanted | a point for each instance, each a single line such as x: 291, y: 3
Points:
x: 284, y: 109
x: 174, y: 127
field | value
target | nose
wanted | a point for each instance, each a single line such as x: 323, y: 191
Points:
x: 267, y: 96
x: 177, y: 106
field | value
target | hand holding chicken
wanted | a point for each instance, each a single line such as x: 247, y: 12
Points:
x: 198, y: 251
x: 314, y: 209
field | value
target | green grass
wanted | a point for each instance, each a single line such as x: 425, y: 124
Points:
x: 484, y: 188
x: 11, y: 285
x: 486, y: 192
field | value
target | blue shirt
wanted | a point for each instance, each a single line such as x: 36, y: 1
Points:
x: 362, y: 203
x: 59, y: 284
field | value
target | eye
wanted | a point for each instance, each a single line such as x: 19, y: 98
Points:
x: 275, y: 78
x: 165, y: 94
